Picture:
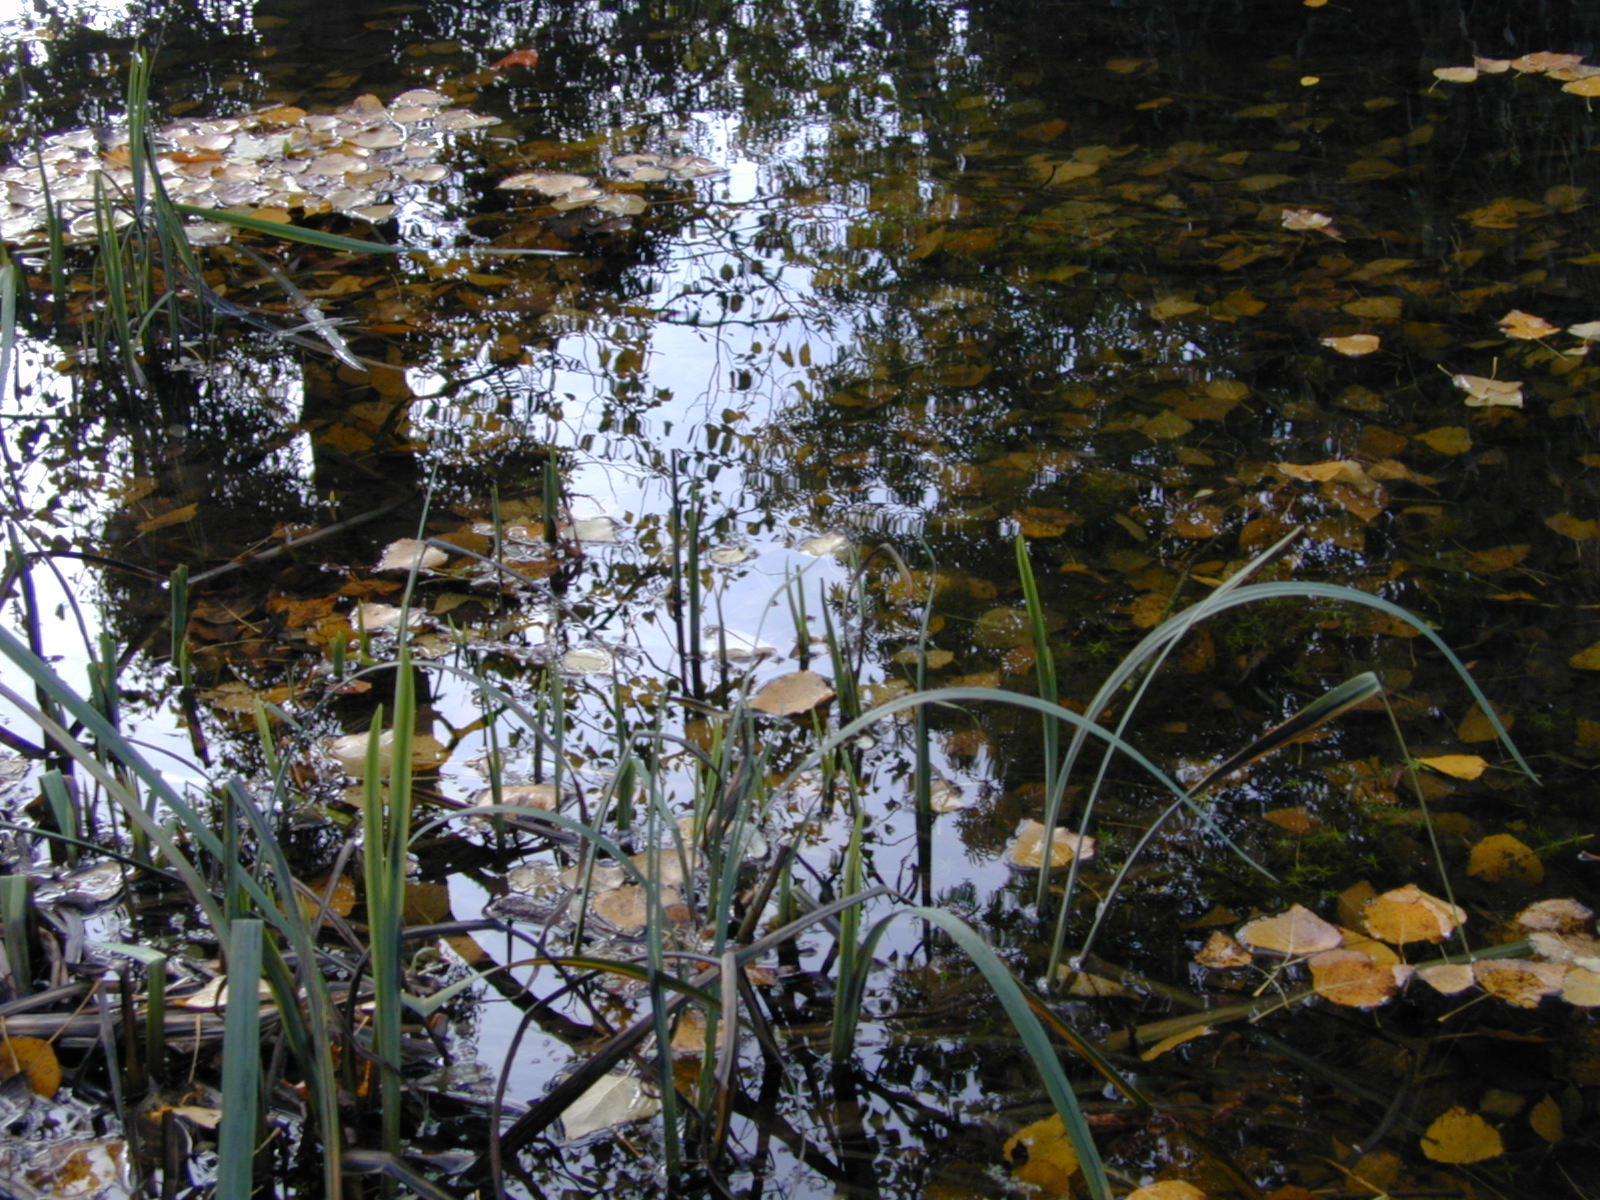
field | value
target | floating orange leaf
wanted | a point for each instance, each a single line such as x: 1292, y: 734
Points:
x: 517, y: 58
x: 1545, y: 60
x: 1456, y: 74
x: 1051, y: 1163
x: 1525, y: 326
x: 1500, y: 857
x: 1027, y: 847
x: 1460, y: 1136
x: 1296, y: 932
x: 35, y: 1059
x: 1350, y: 978
x: 1409, y: 914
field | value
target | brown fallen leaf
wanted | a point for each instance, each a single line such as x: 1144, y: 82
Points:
x: 793, y: 694
x: 1555, y: 916
x: 1297, y: 820
x: 1221, y: 952
x: 403, y: 554
x: 1519, y: 981
x: 517, y: 58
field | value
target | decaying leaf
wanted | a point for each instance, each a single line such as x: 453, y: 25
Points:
x: 1460, y: 1136
x: 517, y: 58
x: 1307, y: 220
x: 1027, y: 846
x: 1500, y: 857
x: 1524, y: 327
x: 1457, y: 766
x: 1354, y: 345
x: 1555, y: 916
x: 1297, y: 820
x: 403, y: 554
x: 792, y: 694
x: 35, y: 1059
x: 1350, y: 978
x: 613, y: 1100
x: 1050, y: 1163
x: 1292, y: 934
x: 1489, y: 393
x: 1222, y: 951
x: 1518, y: 981
x: 1409, y: 914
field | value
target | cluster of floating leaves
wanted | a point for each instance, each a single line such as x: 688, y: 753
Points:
x: 358, y: 161
x: 567, y: 191
x: 1574, y: 75
x: 1363, y: 969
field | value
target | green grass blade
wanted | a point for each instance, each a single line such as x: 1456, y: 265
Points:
x: 241, y: 1062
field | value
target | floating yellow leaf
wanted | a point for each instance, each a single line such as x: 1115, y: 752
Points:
x: 1500, y: 857
x: 1221, y: 952
x: 1589, y: 331
x: 1580, y: 987
x: 1051, y: 1162
x: 1589, y: 85
x: 1172, y: 1042
x: 1350, y: 978
x: 1027, y: 847
x: 35, y: 1059
x: 403, y: 554
x: 1353, y: 345
x: 792, y: 694
x: 1409, y: 914
x: 1489, y: 393
x: 1296, y: 932
x: 1168, y: 307
x: 1519, y: 981
x: 1545, y: 60
x: 1324, y: 472
x: 1587, y: 659
x: 1081, y: 983
x: 1456, y: 74
x: 1447, y: 978
x: 1460, y: 1136
x: 1457, y: 766
x: 1177, y: 1189
x: 1525, y: 326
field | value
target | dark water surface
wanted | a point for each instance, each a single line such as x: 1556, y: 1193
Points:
x: 968, y: 270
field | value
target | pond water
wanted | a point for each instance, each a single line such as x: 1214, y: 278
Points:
x: 1147, y: 286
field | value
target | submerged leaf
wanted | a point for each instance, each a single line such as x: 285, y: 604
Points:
x: 1051, y: 1162
x: 1500, y: 857
x: 1460, y: 1136
x: 613, y: 1100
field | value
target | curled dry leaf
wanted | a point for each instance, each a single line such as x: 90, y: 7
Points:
x: 404, y: 554
x: 1353, y: 345
x: 1292, y: 934
x: 793, y: 694
x: 1221, y: 952
x: 1525, y: 326
x: 1460, y: 1136
x: 1350, y: 978
x: 1308, y: 220
x: 1555, y: 916
x: 1409, y: 914
x: 1518, y: 981
x: 1489, y: 393
x: 1027, y: 847
x: 1500, y: 858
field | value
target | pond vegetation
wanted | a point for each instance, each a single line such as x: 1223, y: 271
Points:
x: 997, y: 604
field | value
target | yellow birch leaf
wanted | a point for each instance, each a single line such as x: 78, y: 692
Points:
x: 1409, y: 914
x: 1350, y: 978
x: 1173, y: 1189
x: 1489, y: 393
x: 1296, y: 932
x: 1353, y: 345
x: 36, y: 1059
x: 1586, y: 660
x: 1448, y: 979
x: 1375, y: 308
x: 1456, y: 74
x: 1168, y: 307
x: 1460, y: 1136
x: 1526, y: 326
x: 1501, y: 857
x: 1519, y: 981
x: 1589, y: 85
x: 1457, y: 766
x: 1051, y: 1162
x: 1577, y: 528
x: 1027, y: 847
x: 1580, y: 987
x: 1448, y: 440
x: 1545, y: 1118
